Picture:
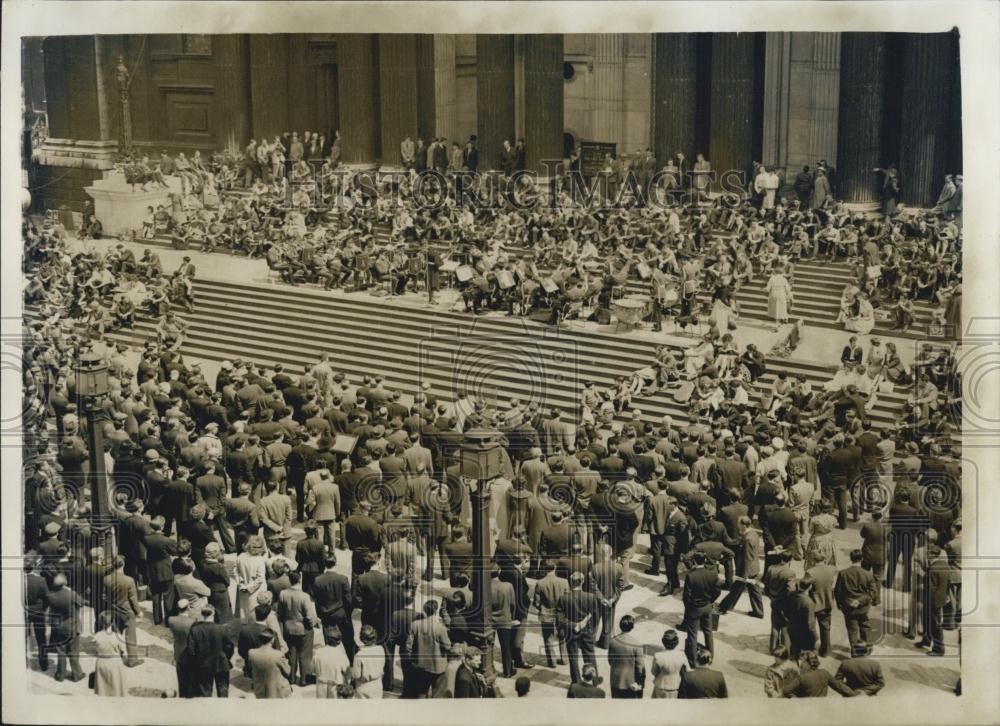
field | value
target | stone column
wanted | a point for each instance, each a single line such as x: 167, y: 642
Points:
x: 543, y: 100
x: 268, y: 81
x: 494, y: 97
x: 859, y: 131
x: 825, y: 96
x: 232, y: 89
x: 674, y: 90
x: 81, y: 104
x: 731, y: 105
x: 398, y: 110
x: 777, y: 84
x: 928, y: 76
x: 445, y: 89
x: 608, y: 87
x: 357, y: 83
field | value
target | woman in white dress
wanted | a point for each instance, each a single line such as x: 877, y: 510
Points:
x: 369, y: 662
x: 864, y: 320
x: 667, y: 667
x: 251, y: 578
x: 109, y: 668
x: 779, y: 297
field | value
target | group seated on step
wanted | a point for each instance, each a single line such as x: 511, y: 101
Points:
x: 103, y: 291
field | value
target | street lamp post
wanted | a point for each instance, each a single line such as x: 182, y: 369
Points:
x: 481, y: 461
x: 92, y: 386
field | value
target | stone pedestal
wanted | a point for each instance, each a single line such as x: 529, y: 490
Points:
x: 859, y: 138
x: 122, y: 211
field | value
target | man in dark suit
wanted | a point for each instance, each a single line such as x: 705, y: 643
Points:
x: 123, y: 598
x: 608, y: 581
x: 64, y: 607
x: 701, y: 681
x: 469, y: 682
x: 310, y: 556
x: 160, y: 551
x: 861, y: 673
x: 332, y: 597
x: 210, y: 645
x: 749, y: 550
x: 934, y: 597
x: 701, y: 590
x: 575, y: 614
x: 35, y: 591
x: 838, y: 471
x: 458, y: 552
x: 856, y: 590
x: 626, y: 657
x: 906, y: 524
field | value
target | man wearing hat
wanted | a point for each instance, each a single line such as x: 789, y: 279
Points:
x: 64, y: 607
x: 123, y: 599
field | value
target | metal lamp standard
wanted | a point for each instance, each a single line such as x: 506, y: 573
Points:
x: 92, y: 386
x: 481, y: 461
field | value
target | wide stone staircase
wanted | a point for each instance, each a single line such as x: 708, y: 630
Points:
x: 492, y: 356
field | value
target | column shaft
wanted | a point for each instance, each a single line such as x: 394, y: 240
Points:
x: 494, y: 96
x: 445, y: 89
x: 543, y: 100
x: 398, y: 112
x: 268, y: 84
x: 608, y: 89
x: 359, y: 98
x: 927, y: 83
x: 674, y: 95
x: 731, y: 106
x: 859, y: 131
x: 232, y: 90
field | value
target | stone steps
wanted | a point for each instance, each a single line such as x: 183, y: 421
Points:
x: 495, y: 357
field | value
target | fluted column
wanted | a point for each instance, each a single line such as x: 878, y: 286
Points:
x: 445, y: 90
x: 608, y: 88
x: 731, y: 109
x: 359, y: 99
x: 825, y: 95
x: 494, y: 96
x: 268, y: 75
x: 777, y: 89
x: 543, y: 100
x: 928, y: 71
x: 674, y: 94
x: 859, y: 131
x: 398, y: 110
x: 231, y: 52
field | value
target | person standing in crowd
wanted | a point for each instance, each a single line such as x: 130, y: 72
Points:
x: 856, y: 590
x: 701, y: 590
x: 702, y: 681
x: 625, y: 655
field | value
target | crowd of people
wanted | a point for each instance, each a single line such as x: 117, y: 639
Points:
x: 569, y: 253
x: 210, y: 481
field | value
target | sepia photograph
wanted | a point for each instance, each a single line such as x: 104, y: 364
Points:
x: 611, y: 357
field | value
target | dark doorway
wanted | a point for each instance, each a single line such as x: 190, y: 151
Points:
x: 327, y: 101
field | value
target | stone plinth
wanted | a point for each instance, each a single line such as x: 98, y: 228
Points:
x: 119, y: 209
